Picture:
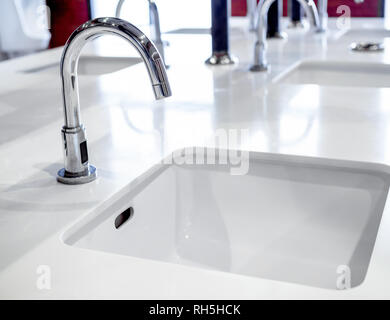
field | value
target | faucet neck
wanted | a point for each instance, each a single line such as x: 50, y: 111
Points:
x: 323, y: 14
x: 155, y: 22
x: 119, y: 8
x: 312, y: 12
x: 262, y: 20
x: 91, y: 30
x: 251, y: 11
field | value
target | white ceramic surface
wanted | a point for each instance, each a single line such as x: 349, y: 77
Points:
x: 338, y: 74
x: 292, y: 219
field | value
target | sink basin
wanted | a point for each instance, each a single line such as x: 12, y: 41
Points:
x: 290, y: 218
x: 347, y: 74
x: 91, y: 65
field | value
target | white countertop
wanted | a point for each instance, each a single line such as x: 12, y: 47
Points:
x: 334, y: 122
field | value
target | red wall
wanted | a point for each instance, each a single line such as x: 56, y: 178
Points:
x: 66, y: 16
x: 370, y: 8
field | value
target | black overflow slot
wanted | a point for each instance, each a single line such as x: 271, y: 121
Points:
x: 123, y: 217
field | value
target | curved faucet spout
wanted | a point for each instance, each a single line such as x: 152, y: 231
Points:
x: 77, y: 169
x: 251, y: 12
x: 91, y: 30
x: 260, y: 63
x: 312, y: 12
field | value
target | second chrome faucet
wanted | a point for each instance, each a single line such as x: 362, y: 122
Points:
x: 260, y: 59
x: 77, y: 169
x: 154, y: 19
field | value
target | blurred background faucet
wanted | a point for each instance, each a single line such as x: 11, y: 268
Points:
x: 77, y: 170
x: 275, y: 15
x: 323, y: 15
x: 260, y: 59
x: 251, y: 6
x: 154, y: 20
x: 220, y: 13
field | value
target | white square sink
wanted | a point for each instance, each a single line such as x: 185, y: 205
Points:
x: 290, y: 218
x: 368, y: 34
x: 334, y: 73
x: 91, y: 65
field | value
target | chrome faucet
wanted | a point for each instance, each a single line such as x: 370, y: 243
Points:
x: 260, y: 60
x: 154, y: 20
x: 77, y: 170
x: 323, y: 15
x: 251, y: 12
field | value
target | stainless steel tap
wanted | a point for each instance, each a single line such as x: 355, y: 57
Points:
x: 77, y: 169
x: 323, y: 15
x: 251, y: 12
x: 154, y: 19
x: 260, y: 59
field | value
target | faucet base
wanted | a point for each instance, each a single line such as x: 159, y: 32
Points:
x: 65, y: 178
x: 278, y: 35
x: 296, y: 25
x: 220, y: 59
x: 367, y: 46
x: 320, y: 30
x: 259, y: 67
